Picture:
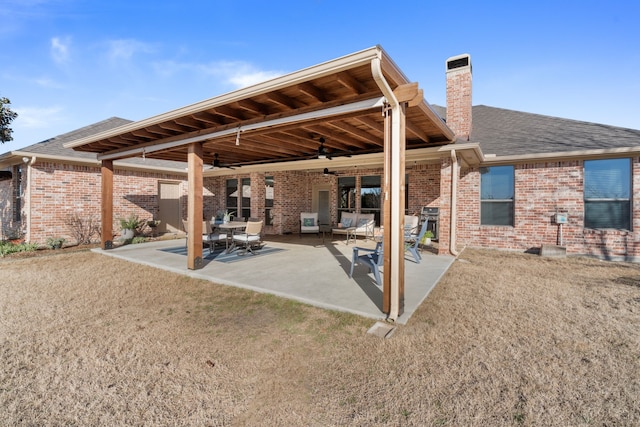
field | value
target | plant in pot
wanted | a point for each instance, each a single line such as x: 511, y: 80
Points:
x: 227, y: 217
x: 129, y: 226
x: 426, y: 239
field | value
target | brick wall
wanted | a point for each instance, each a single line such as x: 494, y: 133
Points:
x: 541, y: 190
x: 58, y: 190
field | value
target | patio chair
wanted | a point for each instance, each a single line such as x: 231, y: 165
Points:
x: 412, y: 242
x: 372, y: 258
x: 309, y: 223
x: 411, y: 224
x: 251, y: 239
x: 211, y: 237
x: 185, y: 227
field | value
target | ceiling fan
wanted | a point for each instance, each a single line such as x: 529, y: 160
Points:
x: 326, y: 172
x: 217, y: 164
x: 323, y: 153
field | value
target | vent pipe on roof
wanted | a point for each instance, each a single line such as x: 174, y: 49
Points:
x: 458, y: 72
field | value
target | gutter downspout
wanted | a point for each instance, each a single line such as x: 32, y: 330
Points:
x: 454, y: 203
x: 28, y: 164
x: 382, y: 83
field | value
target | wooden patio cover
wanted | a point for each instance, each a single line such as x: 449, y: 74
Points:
x: 358, y: 104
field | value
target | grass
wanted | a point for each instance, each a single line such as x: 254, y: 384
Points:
x: 504, y: 339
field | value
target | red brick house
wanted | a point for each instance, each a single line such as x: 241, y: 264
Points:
x: 504, y: 181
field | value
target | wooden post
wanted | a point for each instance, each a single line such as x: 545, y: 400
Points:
x: 386, y: 209
x: 194, y: 209
x: 106, y: 213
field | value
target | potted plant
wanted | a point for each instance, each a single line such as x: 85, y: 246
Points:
x: 426, y: 239
x: 129, y: 225
x: 227, y: 217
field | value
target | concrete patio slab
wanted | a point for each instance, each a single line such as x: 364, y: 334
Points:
x: 303, y: 269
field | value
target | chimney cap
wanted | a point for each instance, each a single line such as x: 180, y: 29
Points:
x: 457, y: 62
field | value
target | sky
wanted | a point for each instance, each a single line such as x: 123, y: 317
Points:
x: 70, y: 63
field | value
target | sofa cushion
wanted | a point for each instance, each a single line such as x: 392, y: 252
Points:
x: 362, y: 222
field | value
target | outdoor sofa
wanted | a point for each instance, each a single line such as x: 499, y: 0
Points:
x: 355, y: 224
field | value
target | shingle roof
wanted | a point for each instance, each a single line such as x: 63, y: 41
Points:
x: 507, y: 133
x: 498, y: 131
x: 54, y: 146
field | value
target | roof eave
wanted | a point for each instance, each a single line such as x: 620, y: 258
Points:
x: 347, y: 62
x: 493, y: 160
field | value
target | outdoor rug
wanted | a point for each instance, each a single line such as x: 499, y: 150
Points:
x: 221, y: 256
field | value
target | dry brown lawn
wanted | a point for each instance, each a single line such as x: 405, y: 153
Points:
x: 504, y: 339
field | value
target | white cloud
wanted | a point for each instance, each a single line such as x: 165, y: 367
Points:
x: 46, y: 82
x: 237, y: 74
x: 125, y: 49
x: 37, y: 118
x: 60, y: 49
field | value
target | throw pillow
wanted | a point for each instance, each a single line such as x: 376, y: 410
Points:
x: 362, y: 222
x: 346, y: 222
x: 307, y: 222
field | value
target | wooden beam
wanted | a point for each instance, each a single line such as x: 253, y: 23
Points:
x: 283, y: 100
x: 408, y: 93
x: 311, y: 90
x: 386, y: 223
x: 253, y: 106
x: 106, y: 205
x: 393, y: 185
x: 194, y: 208
x: 349, y: 82
x: 415, y: 130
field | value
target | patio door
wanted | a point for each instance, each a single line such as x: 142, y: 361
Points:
x: 169, y: 207
x: 320, y: 203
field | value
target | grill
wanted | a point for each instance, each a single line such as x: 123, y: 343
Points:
x: 431, y: 215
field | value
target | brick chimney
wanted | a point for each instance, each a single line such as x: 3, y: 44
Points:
x: 459, y: 95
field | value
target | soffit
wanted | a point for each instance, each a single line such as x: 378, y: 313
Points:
x: 336, y: 83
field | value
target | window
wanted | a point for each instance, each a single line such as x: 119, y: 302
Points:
x: 17, y: 193
x: 232, y: 196
x: 607, y: 193
x: 346, y: 194
x: 268, y: 200
x: 246, y: 198
x: 370, y: 196
x: 496, y: 195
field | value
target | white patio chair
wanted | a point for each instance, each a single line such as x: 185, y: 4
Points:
x: 309, y: 223
x: 251, y: 239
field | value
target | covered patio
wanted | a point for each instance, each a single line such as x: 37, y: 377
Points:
x: 354, y: 111
x: 305, y: 269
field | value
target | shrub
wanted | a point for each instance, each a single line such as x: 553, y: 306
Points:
x: 10, y: 248
x: 83, y: 229
x: 55, y: 242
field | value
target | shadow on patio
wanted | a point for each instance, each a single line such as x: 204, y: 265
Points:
x: 300, y: 268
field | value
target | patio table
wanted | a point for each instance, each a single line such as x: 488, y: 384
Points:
x: 233, y: 226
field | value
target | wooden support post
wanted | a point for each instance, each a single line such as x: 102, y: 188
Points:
x: 386, y: 215
x: 194, y: 209
x: 106, y: 207
x: 394, y: 189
